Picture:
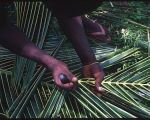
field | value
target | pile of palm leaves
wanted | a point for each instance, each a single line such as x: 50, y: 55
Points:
x: 27, y: 89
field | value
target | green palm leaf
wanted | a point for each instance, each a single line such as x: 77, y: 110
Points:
x: 28, y: 90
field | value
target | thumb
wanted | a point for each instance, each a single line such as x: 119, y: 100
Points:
x: 74, y: 79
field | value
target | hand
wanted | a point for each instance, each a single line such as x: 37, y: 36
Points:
x: 59, y: 68
x: 94, y: 70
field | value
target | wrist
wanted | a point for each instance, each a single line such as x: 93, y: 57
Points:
x: 49, y: 62
x: 87, y: 65
x: 92, y: 65
x: 88, y: 58
x: 88, y: 62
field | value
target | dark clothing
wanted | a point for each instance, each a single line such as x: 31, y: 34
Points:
x: 69, y: 8
x: 72, y: 7
x: 3, y: 13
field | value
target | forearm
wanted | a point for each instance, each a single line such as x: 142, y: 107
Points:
x: 14, y: 40
x: 32, y: 52
x: 74, y: 30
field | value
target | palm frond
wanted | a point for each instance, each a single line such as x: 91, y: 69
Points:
x: 28, y: 90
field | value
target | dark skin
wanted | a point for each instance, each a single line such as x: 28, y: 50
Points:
x: 74, y: 30
x: 12, y: 38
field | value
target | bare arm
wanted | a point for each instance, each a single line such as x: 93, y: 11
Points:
x: 15, y: 40
x: 74, y: 30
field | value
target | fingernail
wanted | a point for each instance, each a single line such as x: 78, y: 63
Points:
x: 101, y: 89
x: 74, y: 79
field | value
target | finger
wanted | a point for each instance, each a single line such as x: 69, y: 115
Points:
x: 74, y: 79
x: 86, y: 72
x: 68, y: 86
x: 70, y: 76
x: 98, y: 84
x: 99, y: 88
x: 61, y: 85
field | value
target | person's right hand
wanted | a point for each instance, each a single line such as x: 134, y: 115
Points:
x: 61, y: 67
x: 96, y: 71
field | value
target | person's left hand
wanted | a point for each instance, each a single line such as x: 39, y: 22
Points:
x: 94, y: 70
